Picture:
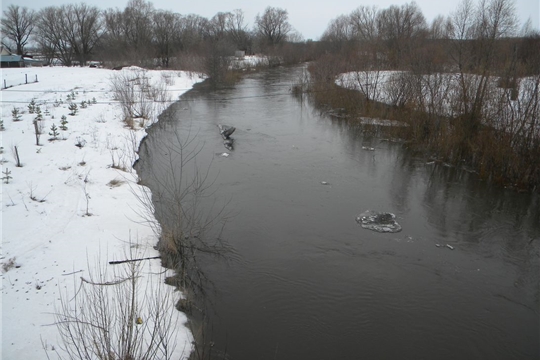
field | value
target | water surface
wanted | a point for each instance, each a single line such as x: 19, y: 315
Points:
x: 305, y: 281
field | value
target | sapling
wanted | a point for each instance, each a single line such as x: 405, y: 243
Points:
x: 54, y: 132
x: 83, y: 104
x: 94, y: 100
x: 16, y: 114
x: 63, y: 123
x: 6, y: 176
x: 39, y: 115
x: 2, y: 128
x: 73, y: 109
x: 32, y: 106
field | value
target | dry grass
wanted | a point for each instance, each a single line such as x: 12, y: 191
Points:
x: 115, y: 183
x: 8, y: 265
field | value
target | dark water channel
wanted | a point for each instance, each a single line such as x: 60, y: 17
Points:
x: 305, y: 281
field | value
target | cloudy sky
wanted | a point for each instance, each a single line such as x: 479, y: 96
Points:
x: 310, y: 18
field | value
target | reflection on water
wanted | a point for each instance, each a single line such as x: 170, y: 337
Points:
x: 305, y: 281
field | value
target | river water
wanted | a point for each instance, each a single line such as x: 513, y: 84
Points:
x: 304, y: 280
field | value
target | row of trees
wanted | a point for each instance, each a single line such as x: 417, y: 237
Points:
x: 468, y: 84
x: 79, y: 33
x: 393, y: 30
x: 397, y: 36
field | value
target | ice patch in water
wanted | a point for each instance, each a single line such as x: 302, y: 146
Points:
x: 380, y: 222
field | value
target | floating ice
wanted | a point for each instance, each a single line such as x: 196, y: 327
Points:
x: 380, y: 222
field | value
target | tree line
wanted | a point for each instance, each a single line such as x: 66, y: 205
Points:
x: 139, y: 33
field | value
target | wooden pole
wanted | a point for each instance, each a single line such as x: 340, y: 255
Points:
x: 133, y: 260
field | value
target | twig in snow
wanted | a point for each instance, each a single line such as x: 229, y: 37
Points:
x: 133, y: 260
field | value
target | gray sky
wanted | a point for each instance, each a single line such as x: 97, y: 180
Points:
x: 309, y: 17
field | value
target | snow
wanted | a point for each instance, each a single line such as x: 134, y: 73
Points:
x: 440, y: 94
x: 60, y: 212
x: 249, y: 62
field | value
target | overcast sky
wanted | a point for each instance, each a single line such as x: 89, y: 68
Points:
x: 309, y: 17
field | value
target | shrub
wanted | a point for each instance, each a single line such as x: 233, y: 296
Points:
x: 118, y: 315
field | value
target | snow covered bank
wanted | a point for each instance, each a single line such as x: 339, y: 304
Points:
x: 441, y: 90
x: 249, y: 62
x: 513, y: 110
x: 69, y: 204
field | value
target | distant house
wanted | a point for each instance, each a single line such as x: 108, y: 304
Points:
x: 11, y: 61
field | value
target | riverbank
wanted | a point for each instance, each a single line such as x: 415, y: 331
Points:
x: 72, y: 205
x: 498, y: 138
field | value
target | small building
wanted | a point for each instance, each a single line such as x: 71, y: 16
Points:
x: 11, y: 61
x: 30, y: 61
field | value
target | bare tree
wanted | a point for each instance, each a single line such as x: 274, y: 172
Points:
x: 338, y: 30
x: 138, y: 29
x: 237, y: 30
x: 273, y: 26
x: 69, y: 32
x: 398, y: 27
x: 81, y: 26
x: 439, y: 27
x: 129, y: 32
x: 218, y: 25
x: 17, y: 26
x: 89, y: 29
x: 194, y: 29
x: 364, y: 23
x: 114, y: 42
x: 474, y: 32
x: 166, y: 30
x: 50, y: 35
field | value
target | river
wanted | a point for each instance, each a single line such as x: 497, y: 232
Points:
x: 304, y: 280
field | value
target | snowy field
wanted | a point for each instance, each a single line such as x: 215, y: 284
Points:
x: 67, y: 211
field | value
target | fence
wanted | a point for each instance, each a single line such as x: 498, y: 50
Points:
x: 17, y: 80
